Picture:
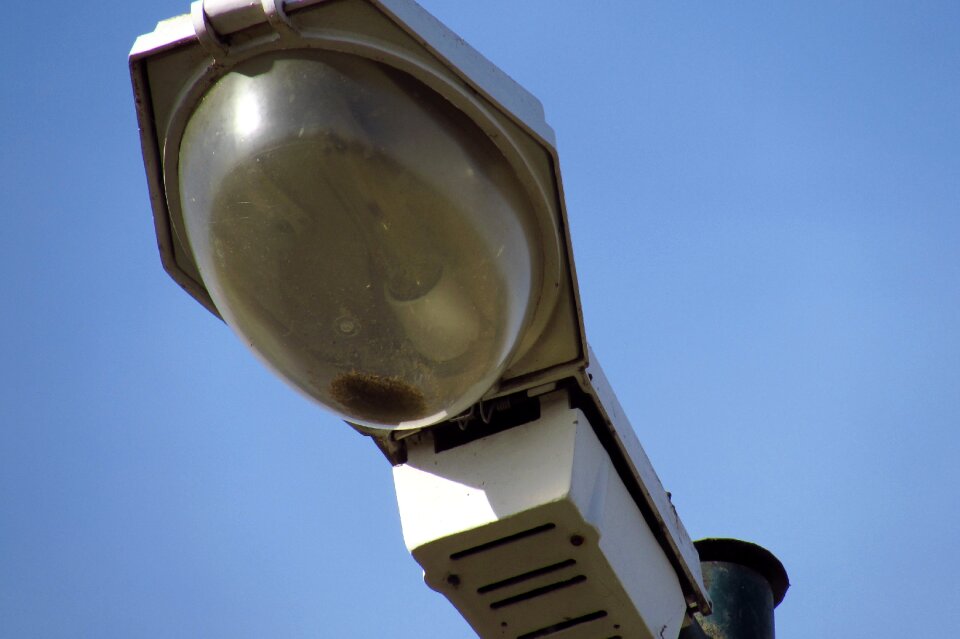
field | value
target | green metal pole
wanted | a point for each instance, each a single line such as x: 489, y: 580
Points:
x: 745, y: 583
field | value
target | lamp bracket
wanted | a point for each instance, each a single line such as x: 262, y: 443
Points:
x: 215, y: 20
x: 207, y: 36
x: 277, y: 18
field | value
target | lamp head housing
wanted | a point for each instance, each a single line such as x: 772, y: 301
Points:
x: 376, y: 210
x: 372, y: 206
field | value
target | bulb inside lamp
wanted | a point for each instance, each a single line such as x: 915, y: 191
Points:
x: 364, y: 237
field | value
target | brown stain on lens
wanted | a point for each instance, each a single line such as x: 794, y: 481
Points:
x: 378, y: 398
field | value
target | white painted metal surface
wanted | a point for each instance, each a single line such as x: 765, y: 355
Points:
x: 530, y: 533
x: 639, y: 472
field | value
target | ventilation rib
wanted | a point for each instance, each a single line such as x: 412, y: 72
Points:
x: 510, y: 581
x: 496, y: 543
x: 537, y: 592
x: 564, y: 625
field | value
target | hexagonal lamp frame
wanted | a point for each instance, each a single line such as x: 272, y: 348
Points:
x: 173, y: 67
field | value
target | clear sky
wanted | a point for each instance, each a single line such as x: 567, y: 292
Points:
x: 764, y: 200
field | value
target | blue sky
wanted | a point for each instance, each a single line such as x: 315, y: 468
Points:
x: 764, y: 200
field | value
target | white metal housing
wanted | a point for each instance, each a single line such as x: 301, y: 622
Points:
x: 530, y: 533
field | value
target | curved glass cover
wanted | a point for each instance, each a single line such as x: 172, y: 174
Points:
x: 364, y: 237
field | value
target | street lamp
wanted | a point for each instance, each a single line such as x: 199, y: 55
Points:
x: 376, y: 210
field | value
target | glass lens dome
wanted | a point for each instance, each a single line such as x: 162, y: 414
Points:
x: 364, y: 237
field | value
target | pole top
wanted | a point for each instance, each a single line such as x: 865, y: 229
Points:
x: 744, y: 553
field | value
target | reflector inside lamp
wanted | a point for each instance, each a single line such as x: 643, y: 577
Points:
x: 364, y: 237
